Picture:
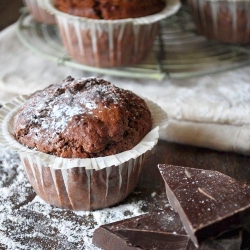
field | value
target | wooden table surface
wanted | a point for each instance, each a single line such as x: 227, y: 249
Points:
x: 9, y: 12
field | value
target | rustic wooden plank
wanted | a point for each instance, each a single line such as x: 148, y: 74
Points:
x: 9, y: 12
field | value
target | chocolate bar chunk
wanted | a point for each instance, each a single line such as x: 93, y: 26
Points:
x: 159, y: 230
x: 208, y: 202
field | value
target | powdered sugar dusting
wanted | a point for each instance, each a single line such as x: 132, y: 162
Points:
x: 60, y: 115
x: 27, y: 222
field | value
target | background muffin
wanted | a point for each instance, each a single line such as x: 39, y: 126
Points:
x: 38, y: 12
x: 106, y: 33
x: 224, y: 20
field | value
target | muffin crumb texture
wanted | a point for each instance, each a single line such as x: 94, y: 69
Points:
x: 82, y: 119
x: 110, y: 9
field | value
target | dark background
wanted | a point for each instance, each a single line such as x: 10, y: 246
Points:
x: 9, y: 12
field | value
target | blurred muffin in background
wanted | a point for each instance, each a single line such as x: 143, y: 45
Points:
x: 226, y: 20
x: 38, y: 12
x: 109, y: 33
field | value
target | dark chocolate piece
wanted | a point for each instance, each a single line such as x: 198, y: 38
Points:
x: 159, y: 230
x: 208, y: 202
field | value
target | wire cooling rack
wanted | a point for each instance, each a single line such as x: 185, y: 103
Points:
x: 178, y: 51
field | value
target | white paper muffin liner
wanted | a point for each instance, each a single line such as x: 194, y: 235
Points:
x: 79, y: 188
x: 222, y: 20
x: 109, y: 43
x: 38, y: 12
x: 81, y: 184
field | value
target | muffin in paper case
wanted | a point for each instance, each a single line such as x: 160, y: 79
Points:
x: 81, y: 184
x: 38, y: 12
x: 223, y: 20
x: 109, y: 43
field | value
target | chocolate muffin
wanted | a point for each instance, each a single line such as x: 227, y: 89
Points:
x: 110, y: 9
x: 225, y: 21
x: 82, y: 142
x: 107, y: 34
x: 38, y: 12
x: 82, y: 118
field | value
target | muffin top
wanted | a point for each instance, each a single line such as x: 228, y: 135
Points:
x: 110, y: 9
x: 82, y: 118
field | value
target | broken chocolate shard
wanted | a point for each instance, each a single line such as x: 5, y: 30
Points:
x: 157, y: 230
x: 208, y: 202
x: 161, y: 230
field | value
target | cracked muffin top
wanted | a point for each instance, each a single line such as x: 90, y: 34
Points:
x: 83, y: 118
x: 110, y: 9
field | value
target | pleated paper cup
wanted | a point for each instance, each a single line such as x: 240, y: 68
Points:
x: 223, y: 20
x: 81, y: 184
x: 109, y: 43
x: 38, y: 12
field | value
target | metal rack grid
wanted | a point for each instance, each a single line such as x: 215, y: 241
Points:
x: 178, y: 51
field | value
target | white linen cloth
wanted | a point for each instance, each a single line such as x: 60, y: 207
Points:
x: 209, y: 111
